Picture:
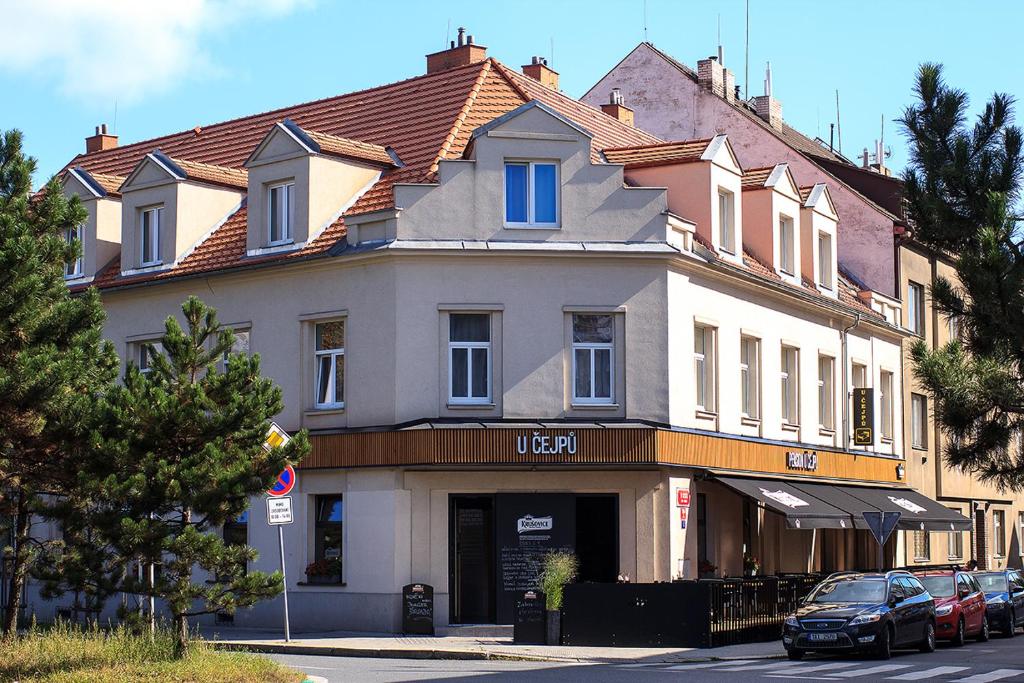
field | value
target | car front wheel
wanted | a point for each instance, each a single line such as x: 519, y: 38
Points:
x: 928, y: 644
x: 961, y: 631
x: 1011, y: 625
x: 983, y: 633
x: 885, y: 643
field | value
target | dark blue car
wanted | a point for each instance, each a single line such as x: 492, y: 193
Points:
x: 1004, y: 599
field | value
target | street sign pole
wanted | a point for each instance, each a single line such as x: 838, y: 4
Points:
x: 881, y: 524
x: 284, y: 577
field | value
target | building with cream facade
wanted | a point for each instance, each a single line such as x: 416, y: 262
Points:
x: 514, y: 323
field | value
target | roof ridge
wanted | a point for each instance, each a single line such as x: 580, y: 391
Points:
x: 152, y: 141
x: 667, y: 143
x: 460, y: 118
x: 502, y: 69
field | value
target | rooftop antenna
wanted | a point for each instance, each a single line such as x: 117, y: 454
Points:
x: 839, y: 125
x: 114, y: 127
x: 645, y: 21
x: 746, y: 59
x: 551, y: 57
x: 447, y: 33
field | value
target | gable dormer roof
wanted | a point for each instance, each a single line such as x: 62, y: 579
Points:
x: 316, y: 142
x: 181, y: 169
x: 769, y: 177
x: 680, y: 152
x: 817, y: 195
x: 522, y: 109
x: 100, y: 185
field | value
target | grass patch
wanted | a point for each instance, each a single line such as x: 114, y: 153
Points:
x: 66, y: 653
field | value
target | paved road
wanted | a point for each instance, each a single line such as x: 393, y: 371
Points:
x: 997, y: 660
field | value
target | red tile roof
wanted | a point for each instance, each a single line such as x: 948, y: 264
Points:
x: 111, y: 184
x: 755, y: 178
x: 234, y: 178
x: 657, y: 154
x: 423, y: 119
x: 348, y: 148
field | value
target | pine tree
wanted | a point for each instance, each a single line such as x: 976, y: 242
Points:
x: 52, y: 358
x: 960, y: 189
x: 180, y: 452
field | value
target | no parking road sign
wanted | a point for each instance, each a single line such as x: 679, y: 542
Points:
x: 284, y: 484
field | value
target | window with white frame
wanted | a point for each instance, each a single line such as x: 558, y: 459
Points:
x: 826, y: 392
x: 469, y: 358
x: 790, y: 385
x: 726, y: 221
x: 859, y: 376
x: 705, y: 368
x: 593, y: 351
x: 825, y: 260
x: 918, y: 421
x: 885, y: 403
x: 915, y: 308
x: 531, y: 193
x: 922, y: 546
x: 955, y: 542
x: 1020, y: 532
x: 75, y: 266
x: 999, y: 533
x: 750, y: 377
x: 953, y: 324
x: 329, y: 353
x: 787, y: 246
x: 280, y: 212
x: 239, y: 345
x: 149, y: 235
x: 147, y: 352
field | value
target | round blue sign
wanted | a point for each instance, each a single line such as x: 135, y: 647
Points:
x: 284, y: 484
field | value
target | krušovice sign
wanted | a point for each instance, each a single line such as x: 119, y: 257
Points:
x: 863, y: 417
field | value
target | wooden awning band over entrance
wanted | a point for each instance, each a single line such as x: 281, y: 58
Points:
x: 607, y: 446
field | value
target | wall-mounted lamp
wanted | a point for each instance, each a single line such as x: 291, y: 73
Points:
x: 900, y: 471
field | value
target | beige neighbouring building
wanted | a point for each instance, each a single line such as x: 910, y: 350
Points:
x: 514, y: 323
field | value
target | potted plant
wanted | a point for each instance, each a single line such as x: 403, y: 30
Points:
x: 324, y: 571
x: 751, y: 565
x: 706, y: 570
x: 560, y: 568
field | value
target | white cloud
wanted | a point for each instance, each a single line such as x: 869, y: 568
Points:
x: 101, y: 50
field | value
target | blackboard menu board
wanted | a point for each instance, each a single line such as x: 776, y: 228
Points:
x: 529, y: 628
x: 529, y: 526
x: 418, y: 609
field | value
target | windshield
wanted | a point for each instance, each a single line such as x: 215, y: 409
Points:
x: 849, y: 590
x: 992, y: 583
x: 938, y: 586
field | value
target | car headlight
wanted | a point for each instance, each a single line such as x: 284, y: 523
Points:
x: 791, y: 621
x: 865, y: 619
x: 995, y: 600
x: 943, y: 610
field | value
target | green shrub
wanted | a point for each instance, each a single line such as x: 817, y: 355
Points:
x: 65, y: 653
x: 559, y: 569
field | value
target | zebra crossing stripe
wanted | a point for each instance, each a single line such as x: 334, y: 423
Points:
x: 708, y: 665
x: 928, y: 673
x: 802, y: 667
x: 996, y: 675
x: 755, y: 667
x: 872, y: 670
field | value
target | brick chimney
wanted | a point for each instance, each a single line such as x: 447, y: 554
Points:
x: 711, y: 76
x: 460, y: 53
x: 100, y: 141
x: 769, y: 109
x: 616, y: 109
x: 539, y: 70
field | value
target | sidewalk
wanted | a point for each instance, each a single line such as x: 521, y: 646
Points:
x: 394, y: 646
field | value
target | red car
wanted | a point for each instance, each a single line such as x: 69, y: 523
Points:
x: 959, y: 605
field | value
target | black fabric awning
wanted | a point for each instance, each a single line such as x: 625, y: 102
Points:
x: 801, y: 510
x: 837, y: 497
x: 917, y: 511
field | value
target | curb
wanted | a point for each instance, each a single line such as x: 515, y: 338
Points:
x: 463, y: 655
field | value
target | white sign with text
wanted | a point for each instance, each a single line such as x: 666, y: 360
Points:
x: 279, y: 510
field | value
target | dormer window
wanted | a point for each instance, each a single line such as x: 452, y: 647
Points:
x: 726, y: 221
x: 787, y: 254
x: 531, y: 194
x: 825, y: 260
x: 149, y: 235
x: 280, y: 212
x: 75, y: 267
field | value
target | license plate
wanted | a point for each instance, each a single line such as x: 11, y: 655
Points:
x: 823, y: 636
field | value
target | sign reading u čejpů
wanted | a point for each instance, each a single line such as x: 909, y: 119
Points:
x: 863, y: 416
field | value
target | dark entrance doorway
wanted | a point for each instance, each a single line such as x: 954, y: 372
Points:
x: 471, y: 560
x: 597, y: 538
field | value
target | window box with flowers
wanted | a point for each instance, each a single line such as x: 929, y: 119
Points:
x: 324, y: 571
x: 751, y: 565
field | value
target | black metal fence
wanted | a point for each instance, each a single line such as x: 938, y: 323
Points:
x: 704, y: 613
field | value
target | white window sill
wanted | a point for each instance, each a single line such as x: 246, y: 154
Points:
x: 825, y: 431
x: 471, y: 406
x: 748, y: 421
x: 594, y: 406
x: 532, y: 226
x: 922, y: 560
x: 790, y: 427
x: 275, y: 248
x: 326, y: 410
x: 705, y: 414
x: 146, y: 268
x: 887, y: 440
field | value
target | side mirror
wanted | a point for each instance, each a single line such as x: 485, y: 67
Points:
x: 893, y: 601
x: 963, y: 593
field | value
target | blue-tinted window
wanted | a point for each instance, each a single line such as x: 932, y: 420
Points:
x: 516, y: 193
x: 545, y: 186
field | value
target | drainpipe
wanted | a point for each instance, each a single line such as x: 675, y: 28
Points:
x: 846, y: 382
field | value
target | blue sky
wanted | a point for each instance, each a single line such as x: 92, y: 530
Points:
x: 168, y: 66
